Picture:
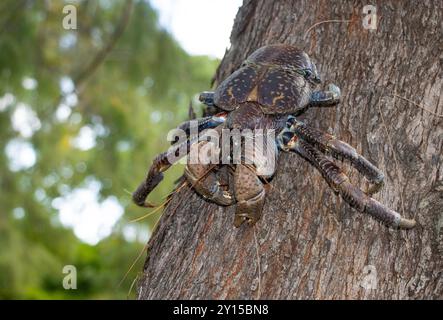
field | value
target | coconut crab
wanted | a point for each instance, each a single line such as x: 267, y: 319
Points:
x: 272, y: 87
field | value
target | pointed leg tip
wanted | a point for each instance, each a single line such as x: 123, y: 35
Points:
x: 333, y: 87
x: 407, y: 223
x: 335, y: 90
x: 145, y: 204
x: 136, y: 200
x: 150, y: 205
x: 140, y: 200
x: 238, y: 221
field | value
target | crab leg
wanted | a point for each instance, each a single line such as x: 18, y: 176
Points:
x: 203, y: 123
x: 162, y: 162
x: 326, y: 98
x: 338, y: 149
x: 340, y: 183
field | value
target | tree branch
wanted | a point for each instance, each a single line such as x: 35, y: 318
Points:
x: 101, y: 55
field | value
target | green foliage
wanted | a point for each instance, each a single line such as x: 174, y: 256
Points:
x: 138, y: 93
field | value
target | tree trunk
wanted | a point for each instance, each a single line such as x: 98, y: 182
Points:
x: 309, y: 243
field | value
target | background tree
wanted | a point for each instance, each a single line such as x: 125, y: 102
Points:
x: 119, y: 77
x: 309, y: 243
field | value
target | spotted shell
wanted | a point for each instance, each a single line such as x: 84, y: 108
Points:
x: 269, y: 77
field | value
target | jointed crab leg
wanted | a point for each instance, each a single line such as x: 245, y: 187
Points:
x: 206, y: 181
x: 155, y: 175
x: 340, y: 183
x: 162, y: 162
x: 338, y: 149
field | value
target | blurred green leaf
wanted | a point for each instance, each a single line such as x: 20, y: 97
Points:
x: 140, y: 91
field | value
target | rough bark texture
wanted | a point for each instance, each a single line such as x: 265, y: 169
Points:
x: 309, y: 243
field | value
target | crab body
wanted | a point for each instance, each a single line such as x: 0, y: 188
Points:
x: 273, y: 85
x: 275, y: 77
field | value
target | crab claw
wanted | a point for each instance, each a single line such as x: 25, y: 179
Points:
x: 336, y: 93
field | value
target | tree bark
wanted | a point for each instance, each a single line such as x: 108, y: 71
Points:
x: 309, y: 243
